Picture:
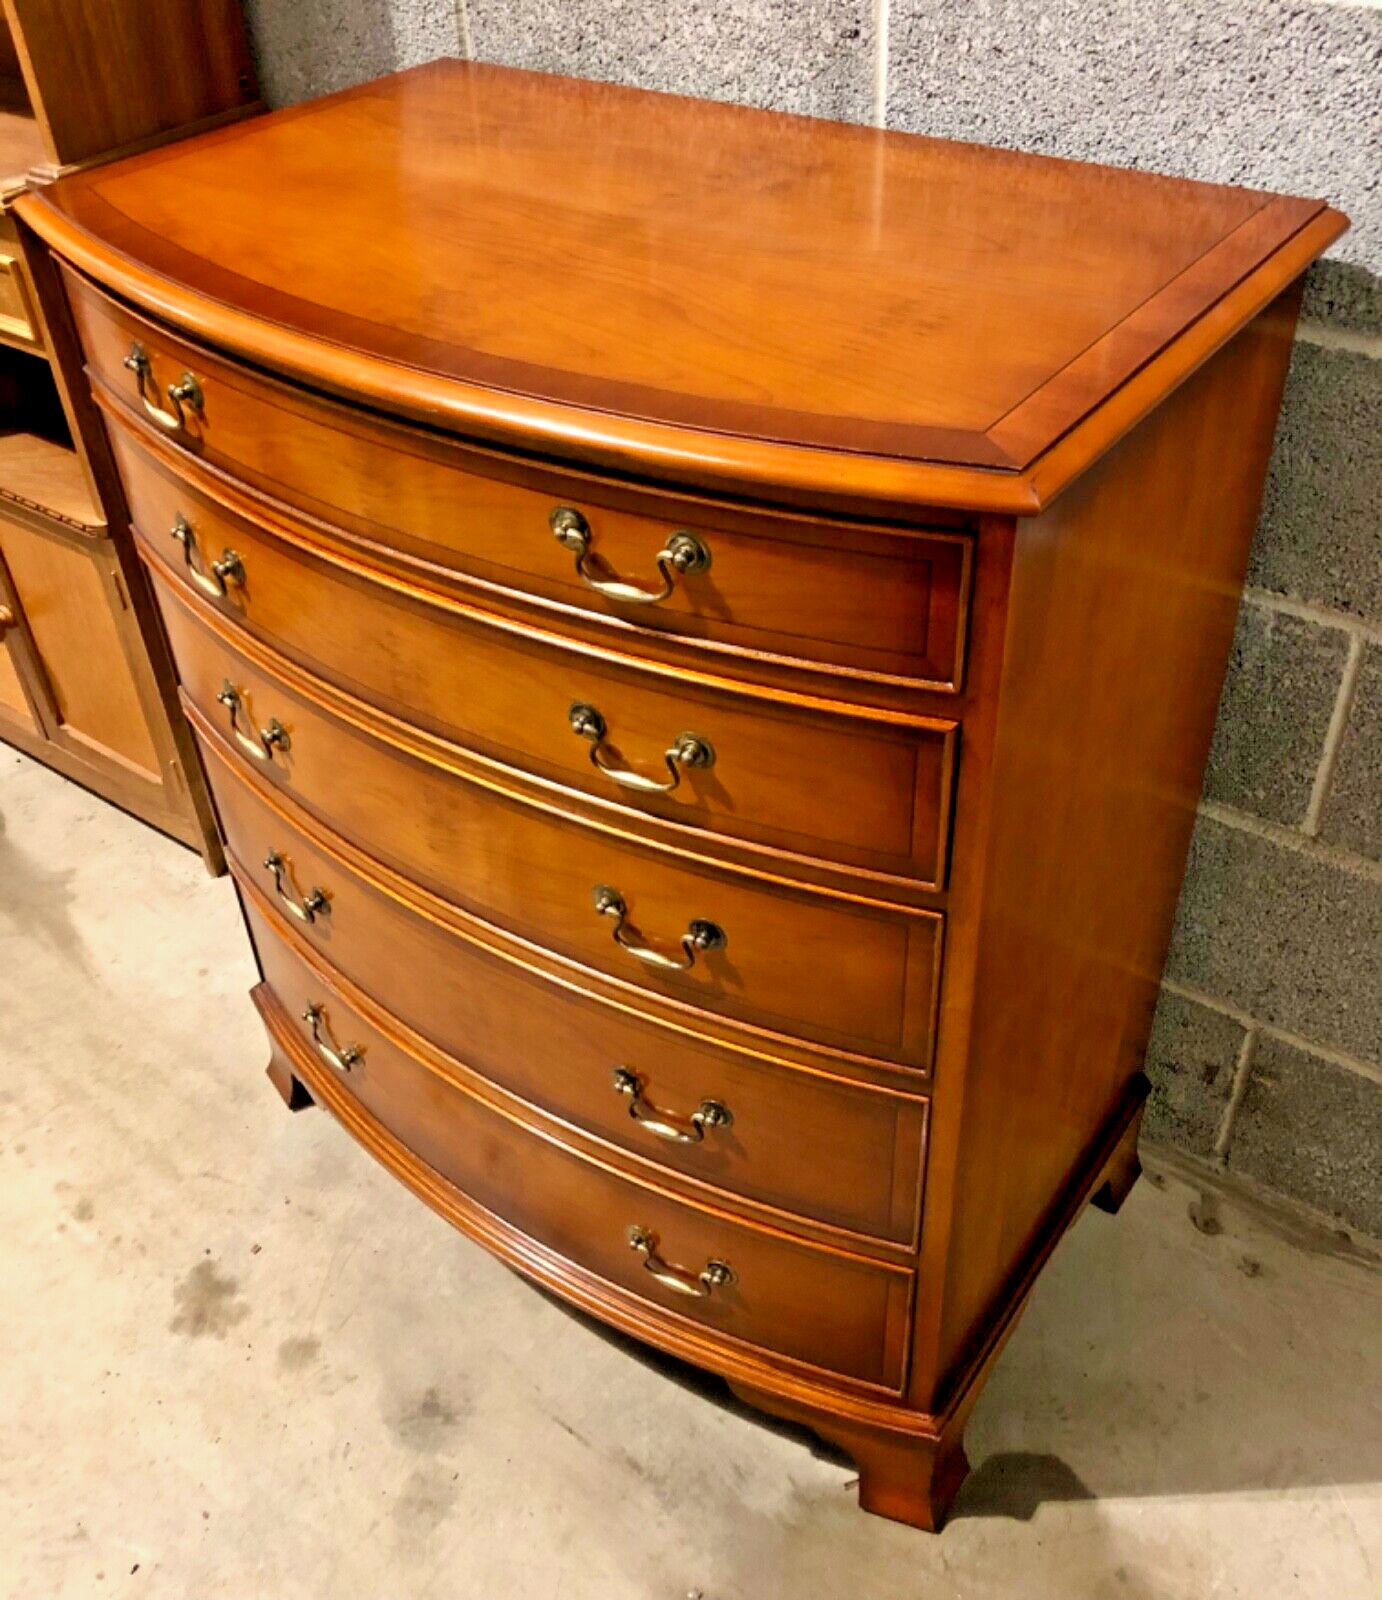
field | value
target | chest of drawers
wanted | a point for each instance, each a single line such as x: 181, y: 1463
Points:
x: 704, y: 630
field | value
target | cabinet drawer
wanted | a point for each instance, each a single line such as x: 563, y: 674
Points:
x: 796, y: 782
x: 851, y: 976
x: 821, y: 1307
x: 845, y: 1153
x: 18, y: 324
x: 792, y: 589
x: 16, y: 316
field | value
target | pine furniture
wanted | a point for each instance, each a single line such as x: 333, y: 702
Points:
x: 86, y: 684
x: 705, y: 628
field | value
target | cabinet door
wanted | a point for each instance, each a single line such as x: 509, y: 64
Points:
x: 76, y: 614
x: 13, y: 701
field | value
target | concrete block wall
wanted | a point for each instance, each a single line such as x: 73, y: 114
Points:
x: 1266, y: 1056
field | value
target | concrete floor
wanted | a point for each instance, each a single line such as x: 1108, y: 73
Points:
x: 237, y: 1359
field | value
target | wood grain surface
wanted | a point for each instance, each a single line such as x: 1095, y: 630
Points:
x: 856, y: 600
x: 820, y: 1308
x: 873, y: 794
x: 808, y: 1142
x: 590, y: 252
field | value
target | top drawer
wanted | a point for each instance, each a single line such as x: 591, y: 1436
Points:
x: 754, y: 587
x: 16, y: 315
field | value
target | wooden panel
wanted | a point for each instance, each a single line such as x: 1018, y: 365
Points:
x: 31, y: 719
x: 18, y: 667
x: 16, y: 660
x: 839, y: 1151
x: 815, y: 1306
x: 1121, y: 614
x: 68, y: 594
x: 875, y: 795
x: 851, y: 975
x: 794, y: 588
x: 12, y: 696
x: 108, y: 73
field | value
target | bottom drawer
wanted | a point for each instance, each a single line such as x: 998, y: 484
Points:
x: 840, y: 1313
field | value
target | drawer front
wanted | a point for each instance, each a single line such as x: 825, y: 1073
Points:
x: 794, y: 589
x: 865, y: 793
x: 16, y: 316
x: 844, y: 1153
x: 849, y: 976
x: 829, y: 1310
x: 18, y: 325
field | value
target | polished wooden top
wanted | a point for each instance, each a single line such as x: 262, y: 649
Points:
x: 717, y: 292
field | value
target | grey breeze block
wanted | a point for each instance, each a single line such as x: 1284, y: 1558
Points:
x: 305, y: 48
x: 1191, y: 1060
x: 811, y: 56
x: 1282, y: 935
x: 1283, y: 95
x: 1320, y: 536
x: 1313, y: 1131
x: 1283, y: 679
x: 1353, y: 812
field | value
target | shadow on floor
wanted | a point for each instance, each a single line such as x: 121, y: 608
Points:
x: 705, y: 1385
x: 1007, y: 1484
x: 1156, y: 1414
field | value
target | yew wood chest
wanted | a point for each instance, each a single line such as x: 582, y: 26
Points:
x: 704, y: 629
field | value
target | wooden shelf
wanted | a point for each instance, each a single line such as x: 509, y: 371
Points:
x: 46, y: 476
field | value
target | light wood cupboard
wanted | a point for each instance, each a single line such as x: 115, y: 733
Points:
x: 86, y: 684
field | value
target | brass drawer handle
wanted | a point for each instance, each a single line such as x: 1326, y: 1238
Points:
x: 687, y: 750
x: 305, y: 907
x: 210, y: 579
x: 698, y: 1285
x: 185, y: 392
x: 700, y: 935
x: 260, y: 745
x: 682, y: 555
x: 331, y: 1053
x: 691, y: 1130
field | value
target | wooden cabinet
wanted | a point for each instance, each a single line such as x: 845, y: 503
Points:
x: 80, y: 689
x: 85, y: 680
x: 705, y: 629
x: 88, y: 79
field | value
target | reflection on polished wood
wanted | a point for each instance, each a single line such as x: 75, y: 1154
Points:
x: 588, y: 253
x: 705, y: 630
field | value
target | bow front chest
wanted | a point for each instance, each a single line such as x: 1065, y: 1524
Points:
x: 704, y: 630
